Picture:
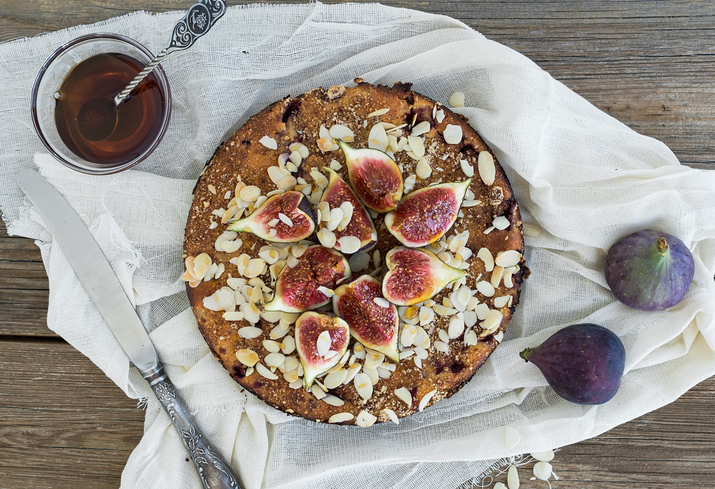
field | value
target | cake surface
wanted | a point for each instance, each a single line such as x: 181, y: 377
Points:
x: 442, y: 341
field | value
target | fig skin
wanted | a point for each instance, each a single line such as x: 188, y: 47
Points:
x: 292, y: 204
x: 307, y: 329
x: 297, y: 288
x: 375, y: 177
x: 583, y: 363
x: 415, y: 275
x: 360, y: 225
x: 374, y: 326
x: 649, y: 270
x: 425, y: 215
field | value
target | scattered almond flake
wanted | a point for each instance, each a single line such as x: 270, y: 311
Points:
x: 270, y: 254
x: 286, y: 183
x: 472, y: 304
x: 317, y: 391
x: 291, y: 363
x: 250, y: 332
x: 326, y: 144
x: 247, y: 357
x: 406, y: 354
x: 439, y: 115
x: 274, y: 360
x: 271, y: 346
x: 508, y: 258
x: 236, y: 283
x: 319, y: 179
x: 334, y: 379
x: 417, y: 146
x: 336, y: 216
x: 231, y: 246
x: 426, y: 315
x: 326, y: 292
x: 276, y: 174
x: 379, y: 112
x: 512, y: 478
x: 335, y: 165
x: 298, y: 249
x: 423, y: 170
x: 285, y: 219
x: 264, y: 372
x: 546, y: 456
x: 441, y: 346
x: 269, y: 143
x: 444, y: 311
x: 470, y: 338
x: 353, y: 370
x: 212, y: 189
x: 499, y: 336
x: 347, y: 209
x: 291, y: 167
x: 467, y: 169
x: 213, y: 225
x: 255, y: 267
x: 296, y: 384
x: 492, y: 321
x: 533, y: 230
x: 392, y: 143
x: 422, y: 340
x: 349, y: 244
x: 338, y: 131
x: 291, y: 375
x: 443, y: 335
x: 501, y: 223
x: 482, y: 311
x: 296, y: 159
x: 407, y: 337
x: 485, y: 288
x: 288, y: 345
x: 372, y: 373
x: 233, y: 316
x: 340, y: 418
x: 426, y: 399
x: 391, y: 414
x: 377, y: 138
x: 542, y: 470
x: 470, y: 318
x: 381, y: 301
x: 499, y: 485
x: 486, y: 256
x: 511, y: 437
x: 404, y: 395
x: 421, y: 128
x: 502, y: 301
x: 373, y: 359
x: 359, y: 262
x: 323, y: 343
x: 486, y: 167
x: 303, y: 150
x: 452, y: 134
x: 221, y: 300
x: 496, y: 277
x: 456, y: 327
x: 470, y: 203
x: 409, y: 183
x: 363, y: 385
x: 333, y: 400
x: 456, y: 99
x: 365, y: 419
x: 200, y: 265
x: 464, y: 294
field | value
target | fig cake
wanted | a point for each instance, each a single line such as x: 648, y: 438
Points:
x: 353, y: 254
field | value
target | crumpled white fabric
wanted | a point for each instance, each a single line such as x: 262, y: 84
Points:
x: 582, y: 176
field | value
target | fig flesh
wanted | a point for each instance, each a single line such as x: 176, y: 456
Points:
x: 375, y: 176
x: 415, y: 275
x: 373, y: 323
x: 282, y: 218
x: 583, y: 363
x: 360, y: 224
x: 321, y: 342
x: 426, y: 214
x: 649, y: 270
x: 298, y: 287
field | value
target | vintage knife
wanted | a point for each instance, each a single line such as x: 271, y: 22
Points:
x: 98, y: 279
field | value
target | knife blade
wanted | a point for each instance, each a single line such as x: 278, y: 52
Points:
x: 104, y: 289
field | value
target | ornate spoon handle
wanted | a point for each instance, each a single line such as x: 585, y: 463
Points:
x: 213, y: 471
x: 197, y: 22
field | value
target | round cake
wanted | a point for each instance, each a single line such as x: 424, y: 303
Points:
x: 353, y: 255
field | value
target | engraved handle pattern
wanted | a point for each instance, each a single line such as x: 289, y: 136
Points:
x: 213, y: 471
x: 197, y: 22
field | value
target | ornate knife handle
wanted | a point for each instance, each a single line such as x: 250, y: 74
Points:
x: 213, y: 471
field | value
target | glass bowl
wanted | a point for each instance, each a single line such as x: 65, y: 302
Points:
x: 46, y: 93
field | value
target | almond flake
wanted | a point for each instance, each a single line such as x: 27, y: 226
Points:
x: 542, y: 470
x: 347, y: 209
x: 317, y: 391
x: 274, y: 360
x: 467, y: 169
x: 359, y: 262
x: 333, y: 400
x: 533, y: 230
x: 421, y: 128
x: 335, y: 165
x: 456, y: 327
x: 501, y: 223
x: 379, y: 112
x: 441, y: 346
x: 407, y: 337
x: 296, y: 159
x: 285, y: 219
x: 286, y: 183
x: 272, y: 346
x: 423, y: 169
x: 363, y: 385
x: 250, y: 332
x: 268, y: 142
x: 426, y: 399
x: 340, y: 418
x: 231, y: 246
x: 365, y: 419
x: 508, y: 258
x: 492, y: 321
x: 452, y: 134
x: 439, y: 115
x: 404, y: 395
x: 327, y: 293
x: 486, y: 256
x: 381, y: 301
x: 264, y: 372
x: 496, y: 276
x: 233, y: 316
x: 485, y: 288
x: 513, y: 478
x: 378, y: 138
x: 471, y: 339
x: 502, y: 301
x: 511, y: 437
x: 456, y: 99
x: 349, y: 244
x: 323, y: 343
x: 486, y: 167
x: 546, y: 456
x: 373, y: 360
x: 391, y: 414
x: 339, y: 131
x: 334, y: 379
x: 247, y: 357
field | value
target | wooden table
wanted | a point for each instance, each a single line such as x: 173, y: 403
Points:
x: 63, y: 424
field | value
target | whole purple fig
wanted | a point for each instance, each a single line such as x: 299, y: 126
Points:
x: 583, y: 363
x: 649, y: 270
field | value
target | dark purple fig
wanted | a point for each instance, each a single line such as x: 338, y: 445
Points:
x: 298, y: 288
x: 321, y: 342
x: 415, y: 276
x: 649, y: 270
x: 373, y: 320
x: 375, y: 177
x: 583, y: 363
x: 359, y: 225
x: 426, y: 214
x: 282, y: 218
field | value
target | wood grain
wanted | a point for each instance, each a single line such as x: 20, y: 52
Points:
x: 649, y: 64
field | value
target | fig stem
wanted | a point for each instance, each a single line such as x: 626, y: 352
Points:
x: 662, y: 245
x: 525, y: 354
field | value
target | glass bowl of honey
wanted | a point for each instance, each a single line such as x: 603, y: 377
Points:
x: 73, y: 107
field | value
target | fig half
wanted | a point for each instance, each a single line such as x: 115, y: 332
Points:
x: 415, y: 275
x: 282, y: 218
x: 321, y: 342
x: 649, y: 270
x: 375, y: 176
x: 373, y: 320
x: 583, y: 363
x: 360, y: 224
x: 426, y: 214
x: 298, y: 288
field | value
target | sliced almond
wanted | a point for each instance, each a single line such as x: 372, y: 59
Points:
x: 486, y: 167
x: 268, y: 142
x: 340, y: 418
x: 247, y: 357
x: 508, y: 258
x: 426, y: 399
x: 365, y: 419
x: 404, y: 395
x: 452, y: 134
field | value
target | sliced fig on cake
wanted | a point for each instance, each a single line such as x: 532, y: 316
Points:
x: 373, y: 320
x: 415, y: 275
x: 321, y: 341
x: 309, y: 283
x: 375, y: 176
x: 426, y: 214
x: 353, y: 219
x: 282, y: 218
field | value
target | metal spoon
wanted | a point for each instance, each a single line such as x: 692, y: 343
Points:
x: 197, y: 22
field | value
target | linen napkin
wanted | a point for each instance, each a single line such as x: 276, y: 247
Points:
x: 582, y: 177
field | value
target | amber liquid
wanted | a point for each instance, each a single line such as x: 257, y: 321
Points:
x: 89, y: 123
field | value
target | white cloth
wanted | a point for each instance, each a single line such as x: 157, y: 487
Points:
x: 585, y: 178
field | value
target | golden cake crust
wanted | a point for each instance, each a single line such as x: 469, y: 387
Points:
x: 242, y: 158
